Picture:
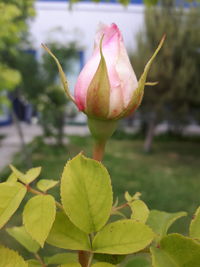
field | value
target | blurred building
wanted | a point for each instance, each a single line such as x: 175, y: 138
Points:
x: 56, y: 20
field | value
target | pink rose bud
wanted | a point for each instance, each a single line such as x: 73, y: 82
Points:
x: 107, y: 82
x: 107, y: 88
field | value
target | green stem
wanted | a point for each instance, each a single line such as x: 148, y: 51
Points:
x: 36, y: 192
x: 37, y: 256
x: 120, y: 207
x: 90, y: 260
x: 101, y: 131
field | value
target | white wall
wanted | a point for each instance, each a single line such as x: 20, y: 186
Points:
x: 81, y: 22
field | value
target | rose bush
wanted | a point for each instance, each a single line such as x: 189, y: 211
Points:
x: 83, y: 221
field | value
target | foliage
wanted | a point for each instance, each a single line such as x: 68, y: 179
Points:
x: 85, y: 186
x: 176, y: 98
x: 174, y: 160
x: 13, y: 26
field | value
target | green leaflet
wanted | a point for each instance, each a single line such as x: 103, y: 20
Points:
x: 12, y: 178
x: 64, y: 234
x: 61, y: 258
x: 10, y: 258
x: 102, y: 264
x: 73, y: 264
x: 45, y: 184
x: 86, y: 193
x: 38, y: 217
x: 140, y: 211
x: 138, y: 261
x: 20, y: 234
x: 29, y: 176
x: 195, y: 225
x: 11, y: 195
x: 176, y: 251
x: 161, y: 259
x: 160, y: 221
x: 33, y: 263
x: 122, y: 237
x: 112, y: 259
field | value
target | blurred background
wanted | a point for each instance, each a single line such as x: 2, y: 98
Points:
x: 155, y: 151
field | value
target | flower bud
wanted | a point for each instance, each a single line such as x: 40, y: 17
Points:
x: 107, y: 88
x: 106, y: 83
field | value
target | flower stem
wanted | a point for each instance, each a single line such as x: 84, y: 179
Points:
x: 98, y: 150
x: 83, y: 257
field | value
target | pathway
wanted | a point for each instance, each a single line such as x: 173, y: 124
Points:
x: 11, y: 143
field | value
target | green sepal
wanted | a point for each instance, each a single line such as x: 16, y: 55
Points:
x: 98, y: 92
x: 139, y: 92
x: 102, y: 130
x: 62, y: 74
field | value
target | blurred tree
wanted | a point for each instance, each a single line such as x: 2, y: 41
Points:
x: 13, y: 15
x: 40, y: 86
x: 176, y: 67
x: 13, y: 32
